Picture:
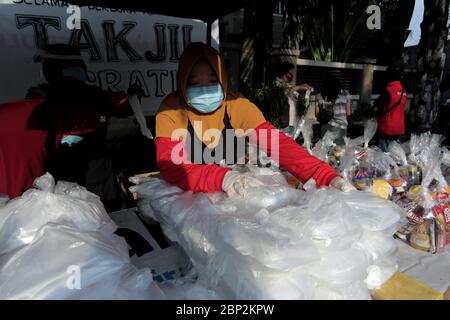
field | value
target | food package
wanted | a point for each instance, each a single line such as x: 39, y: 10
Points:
x: 66, y: 263
x: 397, y: 153
x: 57, y: 242
x: 382, y: 188
x: 426, y: 206
x: 323, y: 146
x: 22, y: 217
x: 278, y: 242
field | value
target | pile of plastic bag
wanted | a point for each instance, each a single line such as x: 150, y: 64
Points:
x: 278, y: 242
x: 58, y: 242
x: 424, y: 195
x: 414, y: 175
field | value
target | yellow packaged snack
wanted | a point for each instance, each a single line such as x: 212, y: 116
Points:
x: 381, y: 188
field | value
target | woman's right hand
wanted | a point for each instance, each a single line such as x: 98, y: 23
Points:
x: 237, y: 183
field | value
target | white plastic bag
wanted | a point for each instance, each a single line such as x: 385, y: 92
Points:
x: 328, y: 229
x: 22, y: 217
x: 45, y: 183
x: 271, y: 245
x: 354, y: 291
x: 137, y: 284
x: 66, y: 263
x: 340, y: 267
x: 278, y: 242
x: 446, y: 156
x: 3, y: 200
x: 370, y: 128
x: 377, y: 245
x: 373, y: 213
x: 378, y: 275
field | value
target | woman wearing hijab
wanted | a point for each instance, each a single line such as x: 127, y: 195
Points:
x: 193, y: 122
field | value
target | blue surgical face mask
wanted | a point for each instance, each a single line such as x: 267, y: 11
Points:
x: 205, y: 99
x: 75, y: 72
x: 71, y: 140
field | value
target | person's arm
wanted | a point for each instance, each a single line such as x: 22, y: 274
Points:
x: 348, y: 104
x: 348, y: 108
x: 303, y: 87
x: 188, y: 176
x: 293, y: 157
x: 171, y: 157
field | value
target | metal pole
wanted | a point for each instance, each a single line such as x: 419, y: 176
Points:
x: 208, y: 32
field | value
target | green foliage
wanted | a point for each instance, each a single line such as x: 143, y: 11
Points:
x: 336, y: 30
x: 271, y: 100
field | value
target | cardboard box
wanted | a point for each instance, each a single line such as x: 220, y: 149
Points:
x: 403, y: 287
x: 166, y: 259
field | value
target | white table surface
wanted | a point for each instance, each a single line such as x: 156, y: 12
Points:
x: 431, y: 269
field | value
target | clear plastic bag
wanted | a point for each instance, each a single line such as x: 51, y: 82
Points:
x: 137, y: 284
x: 421, y: 145
x: 45, y: 183
x: 323, y: 146
x: 272, y: 245
x: 22, y: 217
x: 380, y: 164
x: 370, y: 128
x: 276, y: 242
x: 397, y: 153
x: 446, y: 156
x: 330, y: 229
x: 305, y: 127
x: 353, y: 291
x: 65, y: 263
x: 247, y: 279
x: 340, y: 267
x: 3, y: 200
x: 373, y: 213
x: 377, y: 245
x: 270, y: 198
x: 349, y: 163
x: 426, y: 223
x: 378, y: 275
x: 269, y: 176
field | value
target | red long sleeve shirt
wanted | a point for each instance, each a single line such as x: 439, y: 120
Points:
x: 209, y: 178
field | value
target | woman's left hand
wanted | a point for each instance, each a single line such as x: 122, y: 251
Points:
x: 342, y: 184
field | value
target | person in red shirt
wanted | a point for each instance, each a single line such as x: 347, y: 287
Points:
x: 195, y: 121
x: 77, y: 117
x: 389, y: 109
x: 23, y: 150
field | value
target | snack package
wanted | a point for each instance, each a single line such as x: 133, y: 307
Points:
x: 429, y: 235
x: 382, y: 188
x: 323, y: 146
x: 427, y: 206
x: 442, y: 214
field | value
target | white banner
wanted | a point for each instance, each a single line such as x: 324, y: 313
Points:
x: 119, y: 47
